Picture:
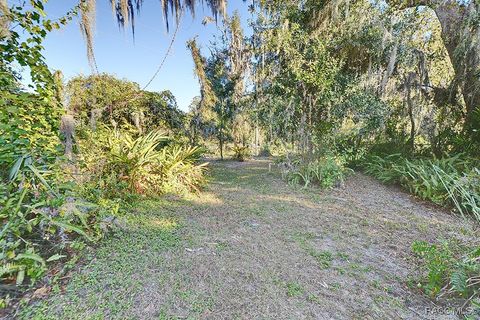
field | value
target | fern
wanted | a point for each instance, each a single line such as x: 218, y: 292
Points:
x: 451, y: 269
x: 458, y: 281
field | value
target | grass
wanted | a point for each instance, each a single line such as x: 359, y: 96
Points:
x: 280, y: 252
x: 324, y: 258
x: 114, y: 275
x: 294, y: 289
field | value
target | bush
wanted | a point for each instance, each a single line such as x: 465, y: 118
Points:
x: 326, y: 172
x: 241, y: 153
x: 180, y: 170
x: 147, y: 164
x: 451, y: 181
x: 265, y: 151
x: 449, y: 269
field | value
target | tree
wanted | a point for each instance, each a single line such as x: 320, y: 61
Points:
x: 224, y: 89
x: 114, y: 102
x: 222, y: 79
x: 460, y: 21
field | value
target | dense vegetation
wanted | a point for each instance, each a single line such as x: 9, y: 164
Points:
x: 390, y: 89
x: 71, y: 153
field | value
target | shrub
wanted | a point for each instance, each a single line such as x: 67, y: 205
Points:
x: 180, y: 169
x: 449, y: 269
x: 41, y: 216
x: 326, y: 172
x: 265, y: 151
x: 134, y: 160
x: 241, y: 153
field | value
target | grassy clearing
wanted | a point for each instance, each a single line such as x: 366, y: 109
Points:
x: 252, y: 246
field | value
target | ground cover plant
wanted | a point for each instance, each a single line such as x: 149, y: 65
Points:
x: 449, y: 181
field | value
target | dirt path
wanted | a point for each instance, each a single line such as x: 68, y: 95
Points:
x: 252, y: 247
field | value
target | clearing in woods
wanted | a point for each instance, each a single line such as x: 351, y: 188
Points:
x: 252, y: 247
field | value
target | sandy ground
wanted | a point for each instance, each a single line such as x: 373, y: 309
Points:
x: 253, y: 247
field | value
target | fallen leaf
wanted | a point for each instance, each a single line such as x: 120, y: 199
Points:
x: 41, y: 292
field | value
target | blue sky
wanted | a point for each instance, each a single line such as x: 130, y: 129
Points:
x: 117, y: 53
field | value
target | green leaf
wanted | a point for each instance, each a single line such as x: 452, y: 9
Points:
x: 41, y: 178
x: 56, y: 257
x: 459, y: 281
x: 31, y: 256
x: 71, y: 227
x: 16, y: 168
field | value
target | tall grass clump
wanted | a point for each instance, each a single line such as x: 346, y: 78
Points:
x: 450, y: 181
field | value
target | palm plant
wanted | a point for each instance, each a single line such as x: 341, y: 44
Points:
x: 450, y: 181
x: 132, y: 159
x: 150, y: 166
x: 180, y: 169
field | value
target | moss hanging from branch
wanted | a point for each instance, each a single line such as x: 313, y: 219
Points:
x: 87, y: 25
x: 126, y: 10
x: 208, y: 98
x: 4, y: 19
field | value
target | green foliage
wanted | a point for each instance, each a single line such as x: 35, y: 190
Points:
x: 265, y: 151
x: 140, y: 163
x: 180, y: 169
x: 294, y: 289
x: 326, y: 172
x: 241, y: 153
x: 449, y: 268
x: 132, y: 160
x: 218, y: 112
x: 115, y: 102
x: 452, y: 181
x: 29, y: 122
x: 41, y: 216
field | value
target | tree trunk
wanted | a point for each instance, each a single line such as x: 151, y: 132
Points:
x: 462, y: 42
x: 409, y: 79
x: 391, y: 66
x: 220, y: 138
x: 67, y: 128
x: 463, y: 46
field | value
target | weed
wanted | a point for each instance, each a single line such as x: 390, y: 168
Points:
x: 241, y: 153
x: 450, y: 269
x: 294, y: 289
x: 326, y: 172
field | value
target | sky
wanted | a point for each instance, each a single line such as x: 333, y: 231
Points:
x: 116, y: 51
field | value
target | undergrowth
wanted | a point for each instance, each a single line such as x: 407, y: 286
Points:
x: 241, y: 153
x: 49, y: 208
x: 45, y: 221
x: 450, y: 181
x: 141, y: 164
x: 450, y: 270
x: 325, y: 171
